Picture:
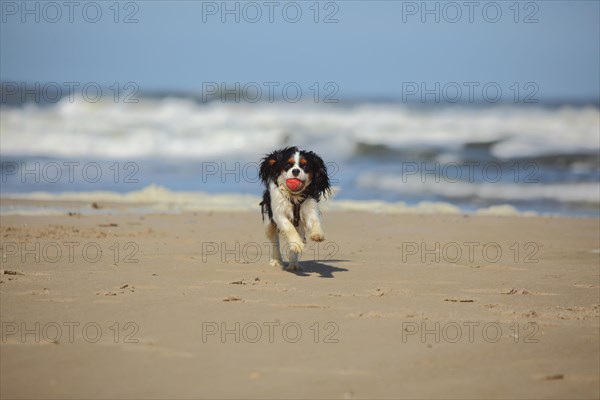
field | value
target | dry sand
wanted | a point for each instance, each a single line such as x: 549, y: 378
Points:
x: 183, y: 323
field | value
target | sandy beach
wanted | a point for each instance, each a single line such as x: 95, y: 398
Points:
x: 124, y: 305
x: 451, y: 149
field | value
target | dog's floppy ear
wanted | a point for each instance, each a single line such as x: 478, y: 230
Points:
x: 268, y: 167
x: 271, y: 164
x: 320, y: 179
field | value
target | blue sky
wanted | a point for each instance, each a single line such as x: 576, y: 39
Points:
x: 372, y: 49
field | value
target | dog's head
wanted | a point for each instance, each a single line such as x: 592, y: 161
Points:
x: 299, y: 171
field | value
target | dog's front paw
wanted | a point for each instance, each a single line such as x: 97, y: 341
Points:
x: 294, y: 267
x: 276, y: 263
x: 296, y: 246
x: 317, y: 236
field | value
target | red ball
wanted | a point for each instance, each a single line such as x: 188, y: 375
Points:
x: 293, y: 184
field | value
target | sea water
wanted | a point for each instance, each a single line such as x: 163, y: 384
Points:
x: 529, y: 157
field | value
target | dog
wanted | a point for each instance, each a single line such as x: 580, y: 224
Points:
x: 295, y: 182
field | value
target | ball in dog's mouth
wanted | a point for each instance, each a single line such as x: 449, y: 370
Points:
x: 293, y: 184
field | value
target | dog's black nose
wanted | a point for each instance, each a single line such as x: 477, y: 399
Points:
x: 295, y: 172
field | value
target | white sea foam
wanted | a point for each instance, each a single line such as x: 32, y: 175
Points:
x: 159, y: 199
x: 179, y: 128
x: 584, y: 192
x: 156, y: 198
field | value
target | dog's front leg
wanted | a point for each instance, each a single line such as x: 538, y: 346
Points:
x: 273, y: 236
x: 291, y: 234
x: 282, y: 215
x: 294, y: 254
x: 295, y: 242
x: 309, y: 212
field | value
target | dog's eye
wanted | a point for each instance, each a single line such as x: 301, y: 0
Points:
x: 303, y: 162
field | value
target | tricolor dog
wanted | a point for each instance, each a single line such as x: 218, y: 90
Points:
x: 295, y: 181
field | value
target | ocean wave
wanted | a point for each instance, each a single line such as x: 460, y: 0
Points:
x: 182, y: 128
x: 572, y: 192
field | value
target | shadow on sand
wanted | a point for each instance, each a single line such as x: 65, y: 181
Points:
x: 323, y: 269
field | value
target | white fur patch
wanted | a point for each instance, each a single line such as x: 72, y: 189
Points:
x: 283, y: 217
